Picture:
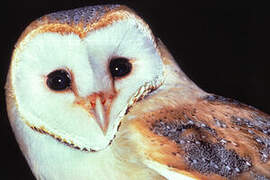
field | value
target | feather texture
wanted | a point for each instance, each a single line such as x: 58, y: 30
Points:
x: 158, y: 123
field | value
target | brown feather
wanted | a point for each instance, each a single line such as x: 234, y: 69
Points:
x: 211, y: 138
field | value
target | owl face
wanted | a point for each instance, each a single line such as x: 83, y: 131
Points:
x: 74, y: 80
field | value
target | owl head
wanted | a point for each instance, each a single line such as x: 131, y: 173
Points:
x: 74, y: 74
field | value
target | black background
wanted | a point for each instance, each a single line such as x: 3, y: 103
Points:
x: 224, y: 50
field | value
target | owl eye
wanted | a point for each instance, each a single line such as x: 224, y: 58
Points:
x: 59, y: 80
x: 120, y: 67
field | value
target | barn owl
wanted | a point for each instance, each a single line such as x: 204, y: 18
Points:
x: 93, y: 94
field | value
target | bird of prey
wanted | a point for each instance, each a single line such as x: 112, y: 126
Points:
x: 93, y: 94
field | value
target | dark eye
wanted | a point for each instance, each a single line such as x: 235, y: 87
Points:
x: 59, y: 80
x: 120, y: 67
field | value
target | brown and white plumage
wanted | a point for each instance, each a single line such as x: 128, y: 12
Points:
x: 204, y: 136
x: 163, y: 127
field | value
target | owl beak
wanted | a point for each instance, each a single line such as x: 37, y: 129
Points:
x: 99, y: 106
x: 101, y: 114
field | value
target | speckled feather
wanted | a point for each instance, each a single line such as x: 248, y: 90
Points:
x: 84, y: 15
x: 79, y: 21
x: 214, y: 138
x: 201, y: 135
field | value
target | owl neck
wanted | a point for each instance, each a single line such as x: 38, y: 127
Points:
x: 175, y: 79
x: 49, y: 159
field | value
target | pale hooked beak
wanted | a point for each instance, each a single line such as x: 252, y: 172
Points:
x: 99, y: 106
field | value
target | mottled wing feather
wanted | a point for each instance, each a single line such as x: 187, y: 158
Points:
x: 213, y: 138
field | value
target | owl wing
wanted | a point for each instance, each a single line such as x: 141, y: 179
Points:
x: 211, y: 138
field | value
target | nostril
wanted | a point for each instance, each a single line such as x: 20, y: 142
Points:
x: 103, y: 100
x: 93, y: 97
x: 93, y: 103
